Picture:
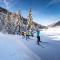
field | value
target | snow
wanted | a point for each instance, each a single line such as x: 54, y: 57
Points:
x: 15, y: 47
x: 53, y: 32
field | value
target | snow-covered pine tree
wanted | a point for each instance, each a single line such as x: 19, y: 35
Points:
x: 19, y: 23
x: 2, y: 18
x: 13, y: 20
x: 30, y: 25
x: 8, y: 23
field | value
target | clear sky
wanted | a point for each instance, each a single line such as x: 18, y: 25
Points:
x: 44, y: 12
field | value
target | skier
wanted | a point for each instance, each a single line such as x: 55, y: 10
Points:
x: 27, y: 35
x: 23, y: 34
x: 32, y: 34
x: 38, y: 36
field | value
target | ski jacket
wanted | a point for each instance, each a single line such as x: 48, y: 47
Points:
x: 38, y: 33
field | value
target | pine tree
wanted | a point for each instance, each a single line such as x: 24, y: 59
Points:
x: 2, y: 18
x: 13, y: 20
x: 19, y: 23
x: 30, y: 25
x: 8, y: 23
x: 30, y: 20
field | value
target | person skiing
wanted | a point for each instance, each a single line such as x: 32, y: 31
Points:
x: 38, y: 36
x: 27, y: 35
x: 23, y: 34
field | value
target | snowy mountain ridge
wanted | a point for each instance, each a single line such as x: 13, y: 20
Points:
x: 55, y: 24
x: 14, y: 23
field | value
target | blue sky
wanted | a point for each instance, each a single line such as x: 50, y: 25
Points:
x: 44, y: 12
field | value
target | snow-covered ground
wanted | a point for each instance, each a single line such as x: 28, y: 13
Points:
x: 15, y: 47
x: 12, y: 48
x: 53, y: 32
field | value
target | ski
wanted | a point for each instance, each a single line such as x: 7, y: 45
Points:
x: 41, y: 45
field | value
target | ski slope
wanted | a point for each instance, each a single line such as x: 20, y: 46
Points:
x: 15, y: 47
x: 12, y: 48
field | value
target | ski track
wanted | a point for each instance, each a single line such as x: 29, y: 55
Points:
x: 13, y: 48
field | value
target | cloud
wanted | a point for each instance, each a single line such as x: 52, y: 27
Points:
x: 7, y: 4
x: 10, y: 3
x: 53, y: 2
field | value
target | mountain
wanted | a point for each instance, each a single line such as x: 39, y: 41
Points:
x: 35, y: 24
x: 54, y: 24
x: 39, y: 25
x: 9, y: 23
x: 3, y: 10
